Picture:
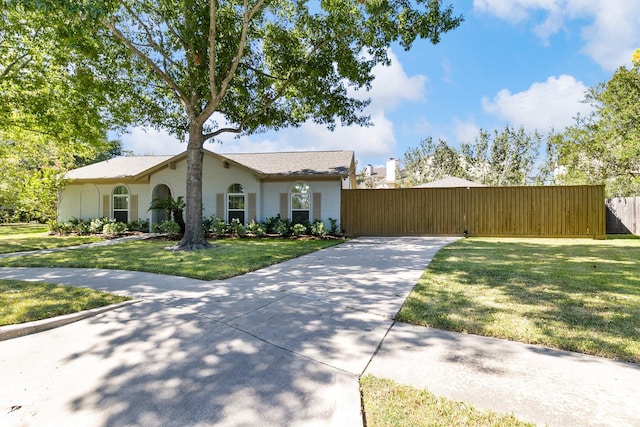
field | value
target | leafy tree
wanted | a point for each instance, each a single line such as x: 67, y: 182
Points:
x: 604, y: 147
x: 431, y: 161
x: 505, y: 157
x: 229, y: 66
x: 53, y: 113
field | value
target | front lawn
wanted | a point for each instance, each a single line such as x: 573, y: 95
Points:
x: 28, y: 301
x: 28, y: 237
x: 227, y: 258
x: 572, y: 294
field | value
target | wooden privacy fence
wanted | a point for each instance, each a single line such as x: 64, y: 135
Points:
x: 571, y: 211
x: 623, y: 215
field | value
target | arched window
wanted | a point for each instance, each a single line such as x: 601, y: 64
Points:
x: 120, y: 197
x: 300, y: 202
x: 235, y: 203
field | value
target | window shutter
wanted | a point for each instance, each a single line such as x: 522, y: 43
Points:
x: 284, y: 205
x: 106, y: 209
x: 220, y: 205
x: 133, y: 208
x: 251, y: 207
x: 317, y: 206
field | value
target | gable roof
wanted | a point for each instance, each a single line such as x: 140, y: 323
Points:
x: 296, y: 163
x: 450, y: 182
x: 118, y: 167
x: 278, y: 164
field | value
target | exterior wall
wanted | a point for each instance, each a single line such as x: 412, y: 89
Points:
x: 330, y: 203
x: 85, y: 201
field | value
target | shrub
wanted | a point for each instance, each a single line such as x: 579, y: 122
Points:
x: 218, y: 226
x: 299, y: 229
x: 141, y: 225
x: 114, y: 228
x: 59, y: 227
x: 236, y: 228
x: 96, y: 225
x: 169, y: 227
x: 318, y: 229
x: 257, y: 229
x: 284, y: 227
x: 272, y: 224
x: 333, y: 229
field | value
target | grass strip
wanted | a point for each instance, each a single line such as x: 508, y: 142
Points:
x: 387, y: 403
x: 227, y: 257
x: 572, y: 294
x: 29, y: 301
x: 29, y: 237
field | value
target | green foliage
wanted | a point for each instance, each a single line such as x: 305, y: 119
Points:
x: 236, y: 229
x: 260, y: 65
x: 298, y: 229
x: 284, y: 227
x: 318, y: 229
x: 96, y: 225
x: 169, y: 227
x: 499, y: 158
x: 217, y: 226
x: 114, y: 228
x: 257, y: 229
x: 140, y: 225
x: 333, y: 226
x: 604, y: 147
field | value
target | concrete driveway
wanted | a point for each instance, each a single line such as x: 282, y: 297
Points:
x: 284, y: 345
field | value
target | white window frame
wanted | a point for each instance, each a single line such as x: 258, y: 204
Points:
x: 118, y: 196
x: 231, y: 192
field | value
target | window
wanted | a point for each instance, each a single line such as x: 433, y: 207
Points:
x: 300, y: 203
x: 235, y: 203
x: 121, y: 203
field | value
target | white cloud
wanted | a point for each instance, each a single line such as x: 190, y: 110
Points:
x: 150, y: 141
x: 610, y: 36
x: 392, y: 86
x: 546, y: 105
x: 465, y: 131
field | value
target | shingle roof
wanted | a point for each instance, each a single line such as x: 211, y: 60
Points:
x: 450, y: 182
x: 301, y: 163
x: 118, y: 167
x: 296, y: 162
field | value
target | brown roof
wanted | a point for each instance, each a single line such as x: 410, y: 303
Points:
x: 118, y: 167
x: 299, y: 163
x: 296, y: 162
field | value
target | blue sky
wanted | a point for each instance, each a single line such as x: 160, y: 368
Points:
x: 518, y: 62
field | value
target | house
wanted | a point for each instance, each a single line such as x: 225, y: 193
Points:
x: 296, y: 185
x: 450, y: 182
x: 379, y: 176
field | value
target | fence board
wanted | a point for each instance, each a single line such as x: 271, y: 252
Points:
x: 623, y: 215
x: 571, y: 211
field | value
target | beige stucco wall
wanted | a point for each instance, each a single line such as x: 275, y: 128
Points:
x: 85, y: 201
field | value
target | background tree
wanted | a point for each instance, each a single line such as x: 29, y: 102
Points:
x: 504, y: 157
x: 604, y: 147
x: 431, y: 161
x: 210, y: 67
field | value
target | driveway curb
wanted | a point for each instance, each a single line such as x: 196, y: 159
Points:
x: 14, y: 331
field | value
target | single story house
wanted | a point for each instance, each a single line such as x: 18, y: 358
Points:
x: 302, y: 185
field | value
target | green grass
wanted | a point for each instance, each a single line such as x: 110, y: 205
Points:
x: 227, y: 258
x: 387, y: 403
x: 28, y: 301
x: 28, y: 237
x: 572, y: 294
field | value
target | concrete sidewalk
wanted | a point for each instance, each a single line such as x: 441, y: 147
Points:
x: 284, y: 345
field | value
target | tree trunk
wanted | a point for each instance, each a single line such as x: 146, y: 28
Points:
x: 194, y: 233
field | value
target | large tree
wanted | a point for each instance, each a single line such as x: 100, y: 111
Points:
x: 52, y: 112
x: 241, y: 66
x: 604, y: 146
x: 431, y: 161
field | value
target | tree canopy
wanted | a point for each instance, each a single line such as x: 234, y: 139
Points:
x: 604, y: 147
x: 208, y: 67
